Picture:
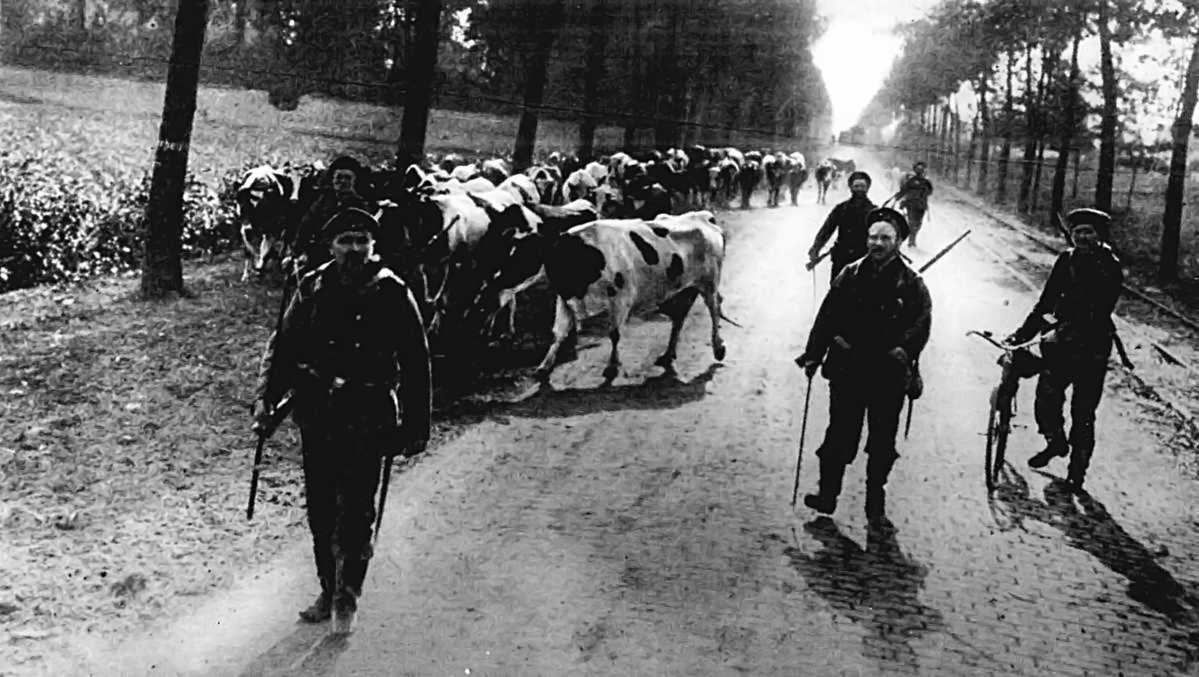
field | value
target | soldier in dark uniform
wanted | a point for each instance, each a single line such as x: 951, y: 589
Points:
x: 913, y: 199
x: 342, y: 187
x: 848, y: 220
x: 352, y: 349
x: 1079, y: 295
x: 872, y: 325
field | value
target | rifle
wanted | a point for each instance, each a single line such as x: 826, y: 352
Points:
x: 280, y: 411
x: 944, y: 251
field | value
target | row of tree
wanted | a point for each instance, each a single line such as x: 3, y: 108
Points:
x: 1019, y: 61
x: 693, y: 70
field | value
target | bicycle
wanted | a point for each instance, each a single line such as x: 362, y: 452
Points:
x: 1017, y: 362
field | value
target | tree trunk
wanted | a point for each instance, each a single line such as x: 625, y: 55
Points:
x: 943, y: 141
x: 1005, y: 151
x: 1107, y: 124
x: 1077, y: 160
x: 1036, y: 180
x: 970, y: 149
x: 422, y: 68
x: 1066, y: 136
x: 241, y: 14
x: 1031, y: 116
x: 597, y: 37
x: 1132, y: 182
x: 957, y: 140
x: 984, y: 154
x: 635, y: 86
x: 1176, y: 184
x: 80, y: 15
x: 548, y: 17
x: 162, y: 269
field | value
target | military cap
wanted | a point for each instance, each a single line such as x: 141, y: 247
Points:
x: 347, y: 220
x: 1087, y: 216
x: 854, y: 176
x: 891, y: 216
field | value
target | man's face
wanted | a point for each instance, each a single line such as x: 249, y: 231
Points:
x: 918, y: 169
x: 343, y: 181
x: 859, y: 187
x: 881, y: 241
x: 351, y: 249
x: 1085, y: 236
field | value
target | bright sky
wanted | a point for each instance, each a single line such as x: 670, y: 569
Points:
x: 856, y: 51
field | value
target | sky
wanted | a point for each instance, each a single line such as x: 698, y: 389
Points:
x: 856, y: 51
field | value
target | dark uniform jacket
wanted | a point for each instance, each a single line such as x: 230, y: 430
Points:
x: 875, y: 311
x: 914, y: 192
x: 354, y: 356
x: 848, y: 221
x: 1081, y: 294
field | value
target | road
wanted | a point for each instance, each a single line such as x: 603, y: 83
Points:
x: 645, y: 528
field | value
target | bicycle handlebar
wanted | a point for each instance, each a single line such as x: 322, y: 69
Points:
x: 1006, y: 347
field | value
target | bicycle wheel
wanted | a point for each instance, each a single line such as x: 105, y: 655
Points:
x: 990, y: 468
x: 998, y: 428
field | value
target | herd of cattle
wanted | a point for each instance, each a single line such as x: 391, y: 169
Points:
x: 468, y: 237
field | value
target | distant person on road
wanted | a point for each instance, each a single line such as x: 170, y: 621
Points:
x: 848, y: 221
x: 870, y: 330
x: 914, y: 190
x: 1078, y: 299
x: 352, y: 350
x: 341, y: 188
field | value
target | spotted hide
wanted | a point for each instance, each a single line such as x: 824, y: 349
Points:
x: 633, y: 267
x: 266, y: 210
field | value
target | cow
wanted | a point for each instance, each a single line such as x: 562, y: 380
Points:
x: 797, y: 174
x: 523, y: 188
x: 495, y: 170
x: 750, y: 176
x: 825, y: 172
x: 842, y: 167
x: 547, y: 178
x: 266, y: 210
x: 465, y: 172
x: 634, y: 267
x: 724, y: 181
x: 580, y: 184
x: 776, y: 167
x: 598, y: 171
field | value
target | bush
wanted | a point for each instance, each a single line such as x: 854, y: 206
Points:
x: 61, y: 221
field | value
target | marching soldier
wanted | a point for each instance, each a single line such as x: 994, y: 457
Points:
x: 351, y: 348
x: 870, y: 330
x: 848, y: 221
x: 342, y: 186
x: 913, y: 195
x: 1079, y: 295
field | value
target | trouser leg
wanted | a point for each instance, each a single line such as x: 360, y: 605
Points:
x: 883, y: 424
x: 846, y: 411
x: 1051, y: 395
x: 320, y: 490
x: 1088, y: 389
x: 358, y: 482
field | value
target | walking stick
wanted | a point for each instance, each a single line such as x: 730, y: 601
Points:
x: 803, y: 431
x: 254, y: 474
x: 383, y: 485
x: 907, y: 428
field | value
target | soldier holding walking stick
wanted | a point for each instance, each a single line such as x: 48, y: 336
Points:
x: 869, y: 331
x: 351, y: 350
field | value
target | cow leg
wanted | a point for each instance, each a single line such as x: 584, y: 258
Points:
x: 618, y: 313
x: 712, y: 299
x: 245, y: 270
x: 564, y: 322
x: 676, y: 309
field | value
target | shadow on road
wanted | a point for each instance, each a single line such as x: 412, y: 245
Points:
x: 877, y: 587
x: 309, y: 651
x: 656, y: 392
x: 1088, y: 526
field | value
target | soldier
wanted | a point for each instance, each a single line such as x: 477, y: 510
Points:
x: 343, y: 185
x: 873, y: 323
x: 848, y: 220
x: 1079, y: 295
x: 352, y: 349
x: 913, y: 199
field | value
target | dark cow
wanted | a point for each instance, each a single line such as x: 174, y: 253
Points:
x: 634, y: 267
x: 797, y: 174
x: 266, y: 211
x: 842, y: 167
x: 495, y: 170
x: 750, y: 176
x: 776, y: 168
x: 825, y: 173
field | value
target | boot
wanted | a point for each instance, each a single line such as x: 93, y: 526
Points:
x: 1056, y: 446
x: 876, y: 505
x: 878, y: 468
x: 825, y: 502
x: 345, y: 610
x: 319, y: 611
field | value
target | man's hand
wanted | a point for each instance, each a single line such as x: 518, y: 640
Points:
x: 808, y: 365
x: 263, y: 417
x: 813, y: 259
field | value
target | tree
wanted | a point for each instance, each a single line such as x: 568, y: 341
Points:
x: 544, y: 17
x: 1108, y: 122
x: 1176, y: 183
x: 422, y: 66
x: 1066, y: 128
x: 162, y: 270
x: 597, y: 38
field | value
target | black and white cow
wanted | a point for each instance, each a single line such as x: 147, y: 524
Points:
x: 750, y: 176
x: 775, y: 166
x: 266, y: 210
x: 634, y: 267
x: 825, y: 173
x: 797, y: 174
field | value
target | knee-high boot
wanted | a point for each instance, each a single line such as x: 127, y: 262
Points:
x: 878, y: 467
x: 832, y: 471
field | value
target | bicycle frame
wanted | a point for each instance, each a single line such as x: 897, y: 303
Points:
x: 1002, y: 403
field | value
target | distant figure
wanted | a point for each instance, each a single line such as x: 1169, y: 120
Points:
x: 913, y: 199
x: 848, y: 221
